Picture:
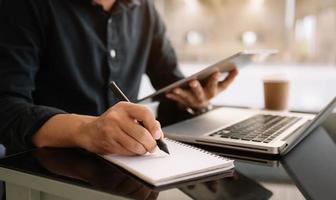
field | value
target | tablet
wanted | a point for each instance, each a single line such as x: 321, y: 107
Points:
x: 238, y: 60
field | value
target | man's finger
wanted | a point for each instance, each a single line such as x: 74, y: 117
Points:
x: 123, y: 151
x: 130, y: 144
x: 140, y: 134
x: 228, y: 80
x: 187, y: 96
x: 212, y: 84
x: 146, y: 117
x: 176, y: 98
x: 111, y: 146
x: 198, y: 91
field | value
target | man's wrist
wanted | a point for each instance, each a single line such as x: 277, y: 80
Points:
x: 80, y: 134
x: 61, y: 130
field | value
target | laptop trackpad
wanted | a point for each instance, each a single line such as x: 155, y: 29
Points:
x: 209, y: 122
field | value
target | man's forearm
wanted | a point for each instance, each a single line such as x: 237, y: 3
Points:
x: 61, y: 130
x: 116, y: 131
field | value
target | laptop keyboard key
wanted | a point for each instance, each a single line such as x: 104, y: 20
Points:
x: 257, y: 140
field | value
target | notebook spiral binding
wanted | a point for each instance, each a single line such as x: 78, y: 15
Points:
x: 198, y: 149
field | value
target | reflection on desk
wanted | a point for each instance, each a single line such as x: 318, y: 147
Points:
x: 109, y: 178
x: 86, y: 169
x: 306, y: 172
x: 241, y: 187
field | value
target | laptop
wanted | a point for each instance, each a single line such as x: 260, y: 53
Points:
x: 253, y: 130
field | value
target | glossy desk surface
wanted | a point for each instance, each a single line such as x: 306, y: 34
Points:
x: 308, y: 171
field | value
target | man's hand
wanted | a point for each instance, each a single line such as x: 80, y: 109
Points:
x: 198, y: 96
x: 116, y: 131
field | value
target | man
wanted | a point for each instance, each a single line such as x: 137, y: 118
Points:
x: 56, y: 60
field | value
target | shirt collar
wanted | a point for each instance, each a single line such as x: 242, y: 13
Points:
x: 125, y: 4
x: 120, y: 6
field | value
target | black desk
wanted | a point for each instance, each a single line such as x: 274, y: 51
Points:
x: 308, y: 171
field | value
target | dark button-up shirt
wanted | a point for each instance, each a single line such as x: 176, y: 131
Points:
x: 58, y: 56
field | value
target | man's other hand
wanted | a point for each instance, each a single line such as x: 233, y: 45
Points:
x: 198, y: 96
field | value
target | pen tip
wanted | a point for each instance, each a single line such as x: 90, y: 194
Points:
x: 166, y: 150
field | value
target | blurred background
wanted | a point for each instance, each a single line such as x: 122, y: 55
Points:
x: 304, y: 32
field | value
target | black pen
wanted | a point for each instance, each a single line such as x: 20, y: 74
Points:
x: 117, y: 91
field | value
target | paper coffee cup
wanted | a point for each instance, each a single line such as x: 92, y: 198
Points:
x: 276, y: 92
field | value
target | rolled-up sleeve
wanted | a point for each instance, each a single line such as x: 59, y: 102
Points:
x: 21, y: 41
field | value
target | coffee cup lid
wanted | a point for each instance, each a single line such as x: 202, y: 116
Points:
x: 276, y: 78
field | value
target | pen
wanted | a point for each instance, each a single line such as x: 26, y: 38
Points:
x: 117, y: 91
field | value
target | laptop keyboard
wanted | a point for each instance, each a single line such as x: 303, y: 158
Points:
x: 258, y: 128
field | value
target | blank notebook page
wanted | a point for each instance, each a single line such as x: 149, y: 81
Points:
x: 183, y: 163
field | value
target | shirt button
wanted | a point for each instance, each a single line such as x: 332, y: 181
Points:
x: 109, y: 21
x: 113, y: 53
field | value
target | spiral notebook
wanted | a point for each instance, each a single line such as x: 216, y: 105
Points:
x: 184, y: 163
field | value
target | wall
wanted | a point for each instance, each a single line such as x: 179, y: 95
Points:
x: 324, y: 42
x: 222, y: 23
